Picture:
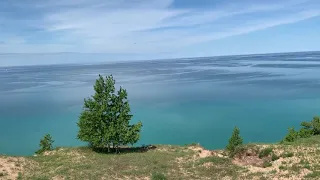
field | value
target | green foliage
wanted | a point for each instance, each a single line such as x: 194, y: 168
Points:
x: 314, y: 174
x: 281, y: 167
x: 242, y: 149
x: 274, y: 157
x: 104, y: 121
x: 307, y: 130
x: 19, y: 176
x: 265, y: 152
x: 313, y: 126
x: 215, y: 160
x: 287, y: 154
x: 158, y: 176
x: 235, y: 140
x: 267, y: 164
x: 45, y: 144
x: 291, y: 136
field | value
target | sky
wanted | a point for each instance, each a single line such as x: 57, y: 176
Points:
x: 89, y: 31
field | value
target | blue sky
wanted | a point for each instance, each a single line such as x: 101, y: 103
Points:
x: 115, y: 30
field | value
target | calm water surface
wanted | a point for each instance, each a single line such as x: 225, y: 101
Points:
x: 179, y: 101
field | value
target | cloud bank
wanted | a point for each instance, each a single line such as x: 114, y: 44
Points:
x: 137, y: 26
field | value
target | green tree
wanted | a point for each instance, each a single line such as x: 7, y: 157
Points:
x: 235, y: 140
x: 45, y: 144
x: 313, y: 126
x: 104, y: 121
x: 291, y: 136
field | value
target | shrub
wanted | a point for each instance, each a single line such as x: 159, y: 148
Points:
x: 287, y: 154
x: 291, y: 136
x: 267, y: 164
x: 244, y: 149
x: 307, y: 130
x: 45, y: 144
x: 305, y: 133
x: 158, y: 176
x: 313, y: 126
x: 265, y: 152
x: 104, y: 121
x: 234, y: 141
x: 274, y: 157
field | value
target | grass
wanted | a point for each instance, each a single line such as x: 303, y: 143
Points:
x: 287, y: 154
x: 274, y: 157
x: 266, y: 164
x: 315, y: 174
x: 174, y: 162
x: 265, y: 152
x: 158, y: 176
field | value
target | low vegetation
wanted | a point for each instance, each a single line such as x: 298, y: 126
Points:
x: 45, y: 144
x: 299, y: 160
x: 234, y: 141
x: 307, y: 130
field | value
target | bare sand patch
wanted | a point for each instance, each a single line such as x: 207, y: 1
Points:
x: 10, y: 167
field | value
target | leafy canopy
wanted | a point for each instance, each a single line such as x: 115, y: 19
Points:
x: 308, y: 129
x: 104, y: 121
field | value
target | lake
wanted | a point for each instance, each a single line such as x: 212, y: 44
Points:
x: 179, y: 101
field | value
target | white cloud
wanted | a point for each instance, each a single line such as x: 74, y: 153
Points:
x: 149, y: 26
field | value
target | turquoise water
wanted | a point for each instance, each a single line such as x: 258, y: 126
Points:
x: 178, y: 101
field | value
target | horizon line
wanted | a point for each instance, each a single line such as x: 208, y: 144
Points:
x: 133, y: 61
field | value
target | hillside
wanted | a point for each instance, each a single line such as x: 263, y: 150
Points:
x: 297, y: 160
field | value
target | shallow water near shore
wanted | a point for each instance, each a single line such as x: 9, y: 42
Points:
x: 178, y: 101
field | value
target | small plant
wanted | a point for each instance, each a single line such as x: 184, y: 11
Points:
x: 265, y: 152
x: 45, y: 144
x: 291, y: 136
x: 267, y: 164
x: 19, y: 176
x: 287, y: 154
x: 273, y: 171
x: 194, y: 144
x: 281, y: 167
x: 307, y: 166
x: 314, y: 174
x: 313, y: 126
x: 234, y: 141
x: 243, y: 149
x: 158, y: 176
x: 308, y: 129
x: 305, y: 133
x: 274, y: 157
x: 2, y: 174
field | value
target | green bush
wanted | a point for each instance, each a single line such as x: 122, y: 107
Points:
x: 45, y: 144
x: 267, y: 164
x: 274, y: 157
x: 265, y: 152
x: 307, y: 130
x: 287, y: 154
x: 234, y: 141
x: 305, y: 133
x: 291, y: 136
x: 313, y: 125
x: 104, y: 121
x: 158, y: 176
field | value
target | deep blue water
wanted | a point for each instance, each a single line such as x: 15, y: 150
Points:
x: 179, y: 101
